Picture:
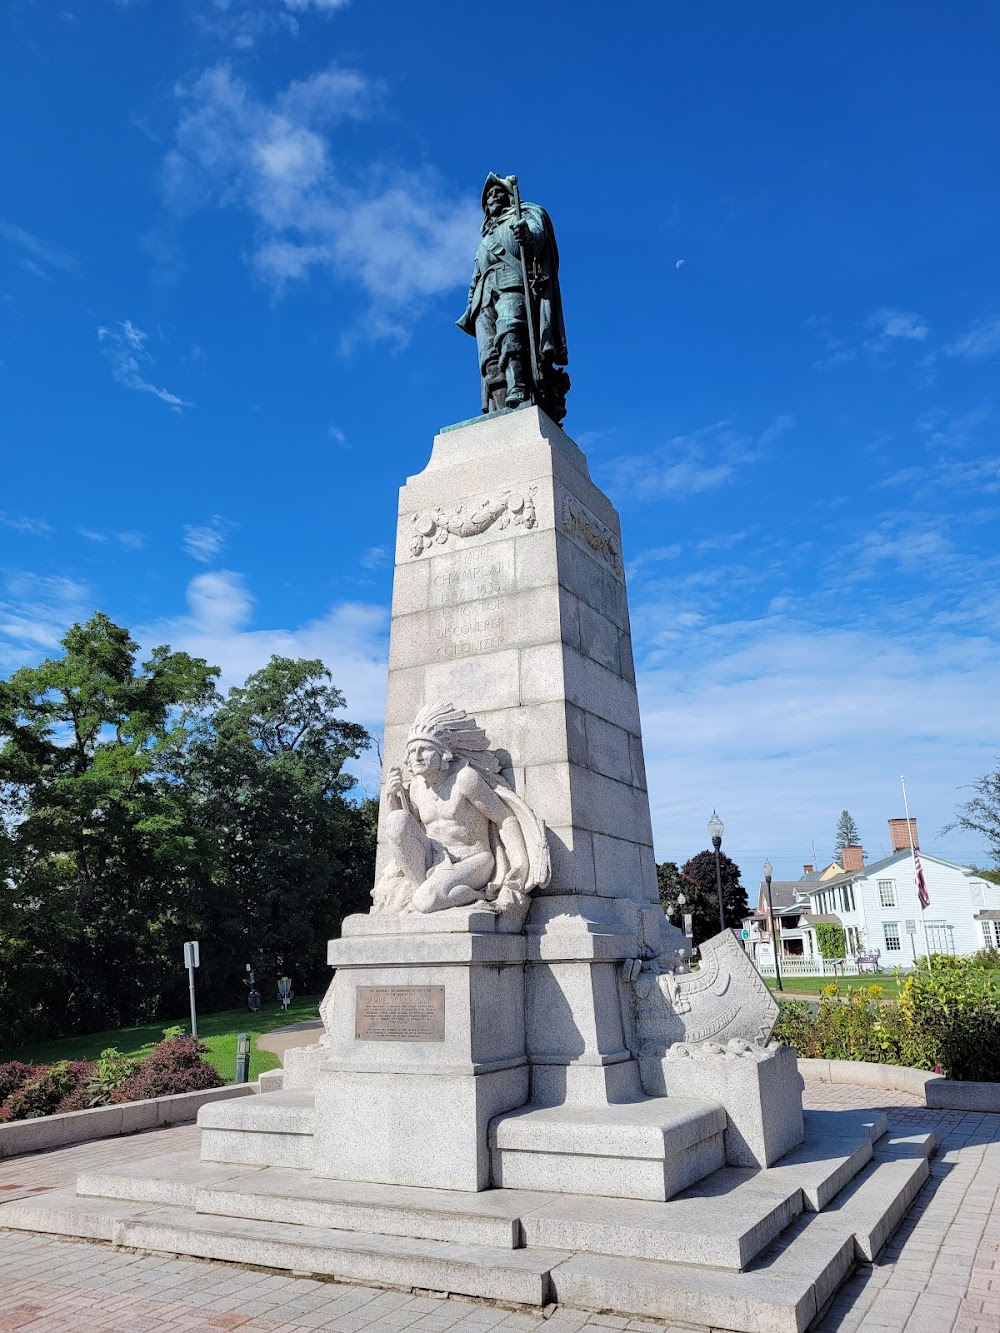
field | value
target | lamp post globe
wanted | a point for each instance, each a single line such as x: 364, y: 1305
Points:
x: 716, y: 828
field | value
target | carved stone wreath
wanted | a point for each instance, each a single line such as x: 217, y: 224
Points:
x: 576, y: 521
x: 508, y: 508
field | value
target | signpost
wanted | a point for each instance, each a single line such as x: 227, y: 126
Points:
x: 911, y: 930
x: 191, y: 962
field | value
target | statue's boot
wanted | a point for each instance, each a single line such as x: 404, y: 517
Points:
x: 518, y: 383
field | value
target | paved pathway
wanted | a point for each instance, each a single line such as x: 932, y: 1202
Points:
x: 940, y: 1273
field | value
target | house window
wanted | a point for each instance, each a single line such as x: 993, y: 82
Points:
x: 849, y: 894
x: 891, y: 931
x: 887, y: 894
x: 991, y: 934
x: 940, y: 937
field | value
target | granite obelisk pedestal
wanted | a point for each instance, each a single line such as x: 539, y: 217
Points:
x: 509, y: 600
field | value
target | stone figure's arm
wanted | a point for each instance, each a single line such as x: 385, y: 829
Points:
x: 394, y: 791
x: 530, y: 230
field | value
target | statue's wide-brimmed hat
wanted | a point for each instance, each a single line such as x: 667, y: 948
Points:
x: 491, y: 180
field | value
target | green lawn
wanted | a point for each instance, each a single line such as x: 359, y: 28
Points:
x: 815, y: 985
x: 217, y: 1031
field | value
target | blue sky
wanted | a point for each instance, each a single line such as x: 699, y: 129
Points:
x: 234, y: 238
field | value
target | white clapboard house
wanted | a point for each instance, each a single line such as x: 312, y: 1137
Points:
x: 877, y: 906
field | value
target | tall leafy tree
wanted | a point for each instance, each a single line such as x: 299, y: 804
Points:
x: 293, y: 854
x: 670, y: 883
x: 701, y: 891
x: 95, y: 848
x: 847, y: 835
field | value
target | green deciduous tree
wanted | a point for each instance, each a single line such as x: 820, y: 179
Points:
x: 699, y: 886
x: 265, y: 778
x: 139, y: 809
x: 93, y: 845
x: 670, y: 883
x: 848, y: 834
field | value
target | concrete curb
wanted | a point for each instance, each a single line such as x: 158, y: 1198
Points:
x: 867, y: 1074
x: 104, y: 1122
x: 939, y: 1093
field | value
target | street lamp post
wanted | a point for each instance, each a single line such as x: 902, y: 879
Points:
x: 768, y: 872
x: 716, y: 828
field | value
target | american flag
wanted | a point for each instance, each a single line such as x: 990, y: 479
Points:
x: 923, y: 897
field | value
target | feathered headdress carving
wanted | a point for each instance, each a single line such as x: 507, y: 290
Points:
x: 456, y: 733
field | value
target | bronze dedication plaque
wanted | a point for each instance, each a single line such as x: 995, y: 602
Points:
x: 399, y: 1013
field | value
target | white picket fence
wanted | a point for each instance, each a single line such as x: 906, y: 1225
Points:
x: 812, y: 967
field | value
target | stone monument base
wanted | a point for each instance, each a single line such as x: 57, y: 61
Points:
x: 762, y: 1251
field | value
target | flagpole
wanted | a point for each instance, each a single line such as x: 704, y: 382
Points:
x: 913, y: 853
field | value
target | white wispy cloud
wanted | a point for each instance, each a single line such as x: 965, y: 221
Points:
x: 32, y: 527
x: 204, y: 541
x: 244, y: 23
x: 37, y: 256
x: 35, y: 612
x: 690, y: 464
x: 782, y: 723
x: 396, y: 235
x: 125, y: 348
x: 979, y: 342
x: 376, y: 557
x: 891, y: 324
x: 350, y: 638
x: 129, y: 540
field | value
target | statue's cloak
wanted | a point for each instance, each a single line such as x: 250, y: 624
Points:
x: 498, y: 268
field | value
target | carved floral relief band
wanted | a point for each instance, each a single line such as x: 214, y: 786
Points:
x: 509, y: 508
x: 577, y: 521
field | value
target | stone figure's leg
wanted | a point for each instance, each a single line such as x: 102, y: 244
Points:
x: 512, y: 341
x: 411, y: 849
x: 494, y: 380
x: 455, y: 884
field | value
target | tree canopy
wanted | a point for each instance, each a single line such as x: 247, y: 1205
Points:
x: 981, y: 814
x: 139, y: 808
x: 848, y: 834
x: 696, y: 880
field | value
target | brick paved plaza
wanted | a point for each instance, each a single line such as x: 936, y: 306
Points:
x: 940, y: 1272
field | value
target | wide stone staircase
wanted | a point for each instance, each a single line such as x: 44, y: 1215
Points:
x: 760, y: 1251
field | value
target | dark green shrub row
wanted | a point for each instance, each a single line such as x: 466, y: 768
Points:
x: 174, y: 1065
x: 947, y: 1017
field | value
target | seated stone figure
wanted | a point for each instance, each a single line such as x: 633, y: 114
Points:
x: 457, y: 833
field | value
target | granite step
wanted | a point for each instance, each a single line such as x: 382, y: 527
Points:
x: 648, y: 1149
x: 275, y: 1129
x: 173, y: 1178
x: 521, y: 1276
x: 723, y: 1221
x: 780, y: 1294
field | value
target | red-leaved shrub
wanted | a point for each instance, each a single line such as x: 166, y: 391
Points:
x: 174, y: 1065
x: 14, y: 1074
x: 42, y: 1094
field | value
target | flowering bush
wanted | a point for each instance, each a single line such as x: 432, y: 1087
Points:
x: 174, y: 1065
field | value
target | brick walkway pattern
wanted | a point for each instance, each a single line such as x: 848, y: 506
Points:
x: 939, y: 1274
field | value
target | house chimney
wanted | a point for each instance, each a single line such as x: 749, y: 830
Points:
x: 807, y: 870
x: 899, y: 833
x: 852, y: 858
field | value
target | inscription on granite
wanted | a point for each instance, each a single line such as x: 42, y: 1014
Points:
x: 399, y: 1013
